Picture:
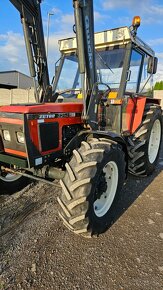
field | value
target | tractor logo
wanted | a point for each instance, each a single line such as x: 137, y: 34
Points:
x: 87, y: 24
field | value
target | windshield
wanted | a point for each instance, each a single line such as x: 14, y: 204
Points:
x: 69, y: 77
x: 109, y: 66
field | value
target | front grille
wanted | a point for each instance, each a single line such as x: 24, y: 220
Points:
x: 49, y: 135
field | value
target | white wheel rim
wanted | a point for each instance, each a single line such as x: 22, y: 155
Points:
x: 154, y: 141
x: 9, y: 177
x: 103, y: 204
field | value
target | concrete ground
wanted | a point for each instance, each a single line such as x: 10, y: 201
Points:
x: 38, y: 252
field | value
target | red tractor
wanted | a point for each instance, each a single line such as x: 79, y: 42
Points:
x: 102, y: 128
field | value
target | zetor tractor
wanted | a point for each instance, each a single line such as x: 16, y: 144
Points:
x: 92, y: 127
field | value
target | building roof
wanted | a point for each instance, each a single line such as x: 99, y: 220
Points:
x: 14, y: 71
x: 8, y: 71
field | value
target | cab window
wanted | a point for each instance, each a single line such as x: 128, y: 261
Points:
x: 134, y: 72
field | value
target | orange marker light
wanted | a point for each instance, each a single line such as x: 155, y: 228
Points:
x: 136, y: 21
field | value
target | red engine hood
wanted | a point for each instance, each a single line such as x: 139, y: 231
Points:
x: 43, y: 108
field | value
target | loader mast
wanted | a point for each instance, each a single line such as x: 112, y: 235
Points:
x: 31, y: 19
x: 84, y: 22
x: 84, y: 25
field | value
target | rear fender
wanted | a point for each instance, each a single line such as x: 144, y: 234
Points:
x: 135, y: 111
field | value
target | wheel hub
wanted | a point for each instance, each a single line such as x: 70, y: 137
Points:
x: 8, y: 177
x: 106, y: 189
x: 154, y: 141
x: 101, y: 186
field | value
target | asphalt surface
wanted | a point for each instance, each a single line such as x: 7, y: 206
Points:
x: 38, y: 252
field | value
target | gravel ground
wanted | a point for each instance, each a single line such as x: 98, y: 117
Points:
x: 38, y: 252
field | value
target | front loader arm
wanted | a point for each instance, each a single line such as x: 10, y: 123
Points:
x: 84, y: 22
x: 30, y: 14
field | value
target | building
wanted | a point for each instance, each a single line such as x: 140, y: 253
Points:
x: 15, y: 79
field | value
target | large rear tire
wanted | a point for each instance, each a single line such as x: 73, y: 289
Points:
x: 11, y: 183
x: 91, y: 187
x: 144, y: 144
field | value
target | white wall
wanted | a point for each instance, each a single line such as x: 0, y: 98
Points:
x: 159, y: 95
x: 16, y: 96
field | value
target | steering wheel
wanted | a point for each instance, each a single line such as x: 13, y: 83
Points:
x: 63, y: 92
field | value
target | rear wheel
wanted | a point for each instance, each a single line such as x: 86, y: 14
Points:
x: 91, y: 187
x: 144, y: 144
x: 11, y: 183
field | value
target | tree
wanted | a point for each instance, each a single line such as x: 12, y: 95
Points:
x: 158, y: 86
x: 161, y: 85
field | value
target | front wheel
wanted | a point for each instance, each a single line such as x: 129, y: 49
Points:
x: 11, y: 183
x: 91, y: 187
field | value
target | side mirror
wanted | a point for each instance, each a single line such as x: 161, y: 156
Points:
x: 152, y: 65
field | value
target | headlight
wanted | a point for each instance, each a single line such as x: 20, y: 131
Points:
x: 6, y: 135
x: 20, y: 137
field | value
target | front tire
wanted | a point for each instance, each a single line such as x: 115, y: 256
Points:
x: 11, y: 183
x: 91, y: 187
x: 144, y: 144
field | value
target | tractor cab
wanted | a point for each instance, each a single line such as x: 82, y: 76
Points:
x: 119, y: 53
x: 123, y: 62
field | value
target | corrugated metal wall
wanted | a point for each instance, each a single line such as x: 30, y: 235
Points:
x: 16, y: 79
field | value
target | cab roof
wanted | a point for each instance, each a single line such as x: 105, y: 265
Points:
x: 107, y: 39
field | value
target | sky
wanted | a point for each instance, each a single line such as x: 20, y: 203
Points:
x: 108, y: 14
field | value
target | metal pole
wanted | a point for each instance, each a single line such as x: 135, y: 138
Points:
x: 48, y: 25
